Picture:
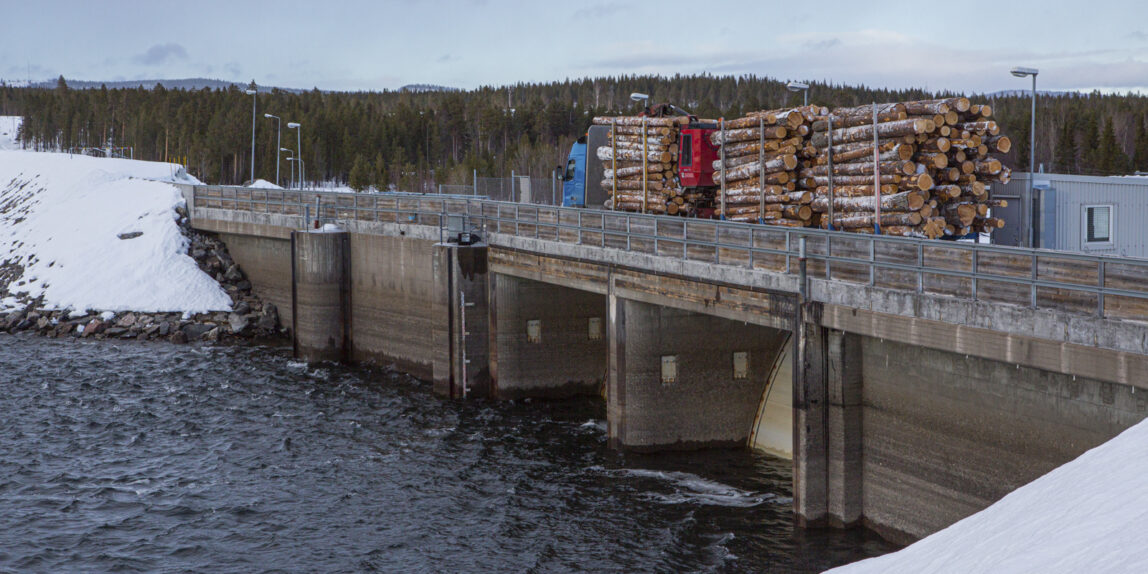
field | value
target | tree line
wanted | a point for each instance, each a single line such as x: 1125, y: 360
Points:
x: 410, y: 139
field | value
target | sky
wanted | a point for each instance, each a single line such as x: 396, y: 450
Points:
x: 966, y: 46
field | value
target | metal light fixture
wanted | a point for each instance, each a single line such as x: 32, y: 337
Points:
x: 799, y: 87
x: 254, y: 95
x: 1026, y: 206
x: 278, y: 141
x: 640, y: 97
x: 298, y: 149
x: 289, y: 164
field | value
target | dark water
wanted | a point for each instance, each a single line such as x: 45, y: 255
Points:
x: 157, y: 458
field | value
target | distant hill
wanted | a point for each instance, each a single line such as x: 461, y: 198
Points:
x: 182, y: 84
x: 427, y: 88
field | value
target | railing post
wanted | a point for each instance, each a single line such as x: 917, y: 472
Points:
x: 656, y: 227
x: 975, y: 271
x: 920, y: 267
x: 828, y: 253
x: 873, y: 261
x: 788, y: 249
x: 579, y: 228
x: 1100, y: 284
x: 1032, y: 291
x: 627, y: 233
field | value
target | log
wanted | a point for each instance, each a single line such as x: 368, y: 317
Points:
x: 652, y: 185
x: 885, y: 130
x: 860, y: 151
x: 988, y: 167
x: 998, y: 143
x: 752, y: 120
x: 640, y: 121
x: 938, y: 144
x: 891, y: 114
x: 747, y: 134
x: 636, y: 171
x: 854, y: 190
x: 988, y: 126
x: 904, y: 201
x: 937, y: 160
x: 862, y: 168
x: 731, y: 162
x: 653, y: 131
x: 648, y: 146
x: 606, y: 153
x: 752, y: 147
x: 959, y: 104
x: 783, y: 162
x: 856, y: 220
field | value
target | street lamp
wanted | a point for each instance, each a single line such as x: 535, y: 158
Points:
x: 289, y: 164
x: 278, y: 142
x: 1021, y: 72
x: 298, y: 149
x: 253, y: 94
x: 799, y: 87
x: 640, y: 97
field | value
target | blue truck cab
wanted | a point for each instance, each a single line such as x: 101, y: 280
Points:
x: 583, y: 174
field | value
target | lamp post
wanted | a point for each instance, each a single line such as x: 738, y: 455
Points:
x: 254, y: 96
x: 278, y: 141
x: 640, y: 97
x: 298, y: 149
x: 289, y: 164
x: 799, y: 87
x: 1021, y: 72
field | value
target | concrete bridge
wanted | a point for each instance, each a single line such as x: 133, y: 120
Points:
x: 912, y: 382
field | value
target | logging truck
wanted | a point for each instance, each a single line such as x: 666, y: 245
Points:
x: 692, y: 167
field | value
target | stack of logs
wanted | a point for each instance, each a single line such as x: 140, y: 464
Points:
x: 934, y: 167
x: 760, y: 157
x: 642, y: 156
x: 933, y: 159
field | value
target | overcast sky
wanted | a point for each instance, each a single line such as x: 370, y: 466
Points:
x: 964, y: 45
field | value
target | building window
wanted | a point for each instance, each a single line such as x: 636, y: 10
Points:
x: 686, y: 159
x: 1098, y: 224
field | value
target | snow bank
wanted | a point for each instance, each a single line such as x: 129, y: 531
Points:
x: 99, y: 234
x: 263, y: 184
x: 1086, y: 516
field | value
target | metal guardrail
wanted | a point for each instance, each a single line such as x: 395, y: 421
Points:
x: 1105, y: 286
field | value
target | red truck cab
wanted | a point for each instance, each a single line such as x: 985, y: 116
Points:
x: 697, y: 155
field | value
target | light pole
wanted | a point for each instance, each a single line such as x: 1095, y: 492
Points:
x: 289, y: 164
x: 640, y: 97
x: 278, y: 141
x: 799, y: 87
x: 254, y: 95
x: 1021, y: 72
x: 298, y: 149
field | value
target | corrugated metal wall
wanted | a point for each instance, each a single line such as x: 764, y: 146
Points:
x: 1062, y: 213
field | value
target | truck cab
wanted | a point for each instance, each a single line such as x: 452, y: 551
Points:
x: 583, y: 173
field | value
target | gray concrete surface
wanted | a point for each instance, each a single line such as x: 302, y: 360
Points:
x: 321, y: 295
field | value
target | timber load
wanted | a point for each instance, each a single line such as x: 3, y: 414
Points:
x: 931, y: 164
x: 761, y: 156
x: 640, y: 164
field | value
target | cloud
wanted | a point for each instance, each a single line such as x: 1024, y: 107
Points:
x: 160, y: 54
x: 445, y: 58
x: 1138, y: 35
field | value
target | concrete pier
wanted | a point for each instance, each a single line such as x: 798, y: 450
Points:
x: 460, y: 347
x: 321, y: 294
x: 546, y: 340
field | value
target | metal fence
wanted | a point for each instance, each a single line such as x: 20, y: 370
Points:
x: 1104, y: 286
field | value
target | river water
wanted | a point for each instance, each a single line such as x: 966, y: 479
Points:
x: 137, y: 457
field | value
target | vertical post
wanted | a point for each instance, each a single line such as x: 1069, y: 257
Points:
x: 829, y: 153
x: 645, y: 178
x: 254, y: 97
x: 475, y: 176
x: 760, y: 167
x: 1100, y: 294
x: 876, y: 176
x: 512, y: 187
x: 1031, y: 175
x: 613, y: 164
x: 721, y: 122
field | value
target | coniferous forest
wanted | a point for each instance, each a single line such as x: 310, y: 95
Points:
x: 410, y: 139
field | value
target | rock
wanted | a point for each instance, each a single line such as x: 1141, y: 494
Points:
x: 115, y: 332
x: 94, y: 327
x: 243, y: 285
x: 127, y: 320
x: 130, y: 235
x: 179, y: 338
x: 194, y: 331
x: 198, y: 254
x: 233, y: 274
x: 212, y: 336
x: 238, y: 323
x: 152, y: 329
x: 267, y: 323
x: 164, y: 329
x: 243, y: 308
x: 24, y: 325
x: 43, y: 323
x: 33, y: 316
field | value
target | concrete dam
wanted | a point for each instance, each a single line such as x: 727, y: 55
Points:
x: 912, y: 382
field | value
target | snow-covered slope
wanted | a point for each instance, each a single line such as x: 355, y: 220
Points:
x: 9, y: 125
x: 62, y: 218
x: 1089, y: 515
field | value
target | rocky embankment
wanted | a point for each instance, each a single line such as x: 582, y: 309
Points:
x: 250, y: 317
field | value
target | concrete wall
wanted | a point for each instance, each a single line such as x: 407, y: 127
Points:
x: 267, y: 264
x: 566, y: 360
x: 945, y: 435
x: 705, y: 406
x: 321, y: 292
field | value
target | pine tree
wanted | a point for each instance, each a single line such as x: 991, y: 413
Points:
x: 1112, y: 159
x: 360, y: 177
x: 1066, y: 147
x: 1140, y: 154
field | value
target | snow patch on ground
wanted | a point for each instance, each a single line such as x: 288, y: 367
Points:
x: 1086, y: 516
x: 9, y: 126
x: 99, y: 234
x: 263, y: 184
